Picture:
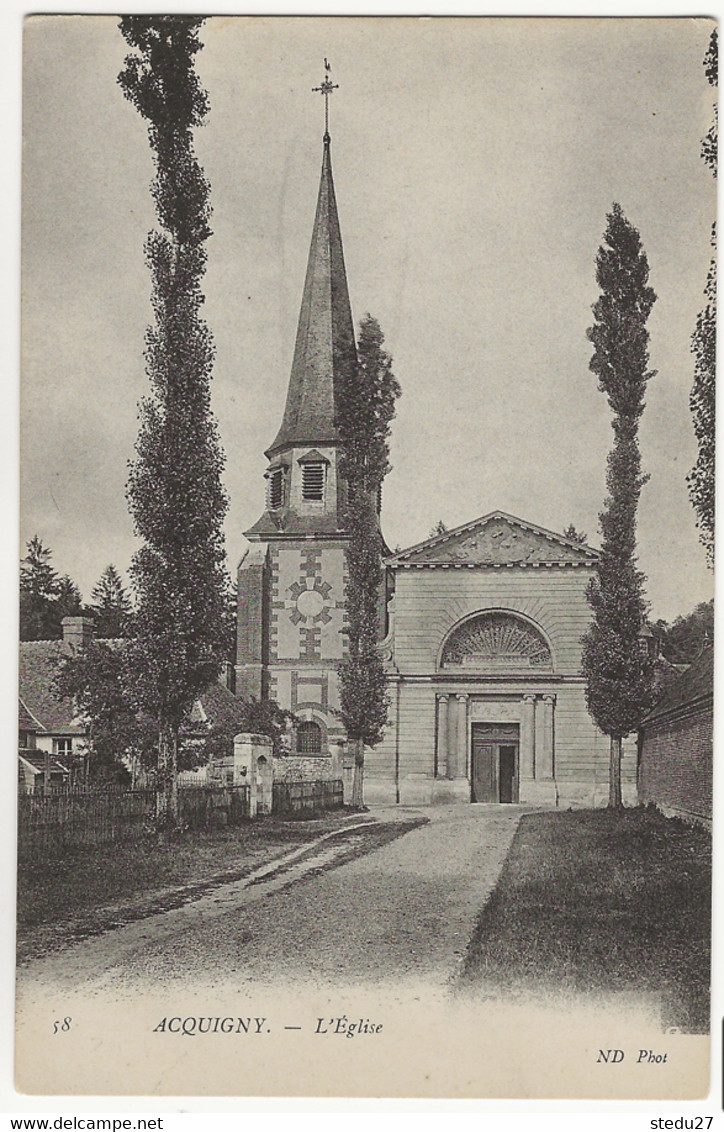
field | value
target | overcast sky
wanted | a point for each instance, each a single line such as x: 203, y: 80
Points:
x: 474, y: 163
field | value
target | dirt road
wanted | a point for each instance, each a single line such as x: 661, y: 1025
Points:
x: 403, y: 913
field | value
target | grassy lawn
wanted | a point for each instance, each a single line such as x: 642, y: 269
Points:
x: 71, y: 887
x: 601, y: 902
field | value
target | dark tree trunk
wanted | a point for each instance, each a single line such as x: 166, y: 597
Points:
x: 167, y: 811
x: 614, y: 775
x: 358, y: 800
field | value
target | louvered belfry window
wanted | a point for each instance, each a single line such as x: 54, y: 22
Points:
x: 313, y: 481
x: 276, y: 488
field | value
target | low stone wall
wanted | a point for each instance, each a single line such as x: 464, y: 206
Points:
x: 297, y: 768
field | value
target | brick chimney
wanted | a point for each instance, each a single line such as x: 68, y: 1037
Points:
x: 78, y: 631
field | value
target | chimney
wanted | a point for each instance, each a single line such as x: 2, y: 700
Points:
x: 78, y: 632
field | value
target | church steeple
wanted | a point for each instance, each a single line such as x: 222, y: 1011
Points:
x: 305, y: 493
x: 325, y: 346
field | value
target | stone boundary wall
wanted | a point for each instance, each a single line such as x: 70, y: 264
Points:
x: 676, y: 767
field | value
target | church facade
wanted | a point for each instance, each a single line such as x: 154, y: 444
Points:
x: 481, y: 628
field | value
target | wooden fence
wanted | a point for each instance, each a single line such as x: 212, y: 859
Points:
x: 307, y: 798
x: 60, y: 819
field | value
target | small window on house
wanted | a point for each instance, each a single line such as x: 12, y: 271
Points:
x: 309, y: 738
x: 62, y: 748
x: 313, y: 481
x: 275, y: 488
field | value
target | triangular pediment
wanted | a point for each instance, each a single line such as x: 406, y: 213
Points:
x: 496, y: 539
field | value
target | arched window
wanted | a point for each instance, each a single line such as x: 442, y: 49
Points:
x: 309, y: 738
x: 496, y: 641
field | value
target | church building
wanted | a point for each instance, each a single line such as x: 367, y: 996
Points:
x: 483, y: 625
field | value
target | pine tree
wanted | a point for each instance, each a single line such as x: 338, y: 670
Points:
x: 366, y: 409
x: 69, y: 602
x: 110, y: 604
x: 174, y: 490
x: 618, y: 672
x: 702, y: 401
x: 39, y: 585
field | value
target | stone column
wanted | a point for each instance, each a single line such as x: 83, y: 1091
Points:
x: 545, y: 756
x: 442, y: 734
x: 452, y: 737
x: 462, y: 749
x: 527, y: 737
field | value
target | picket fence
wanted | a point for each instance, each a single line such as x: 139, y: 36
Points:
x: 69, y: 818
x: 64, y: 818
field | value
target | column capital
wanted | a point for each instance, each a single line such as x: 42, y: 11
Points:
x: 443, y: 697
x: 529, y: 698
x: 461, y: 696
x: 549, y: 699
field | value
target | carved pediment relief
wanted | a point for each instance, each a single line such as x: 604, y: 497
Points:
x: 497, y: 540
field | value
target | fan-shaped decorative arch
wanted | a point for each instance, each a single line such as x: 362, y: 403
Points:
x: 496, y: 640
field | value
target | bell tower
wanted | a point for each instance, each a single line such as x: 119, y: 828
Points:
x: 291, y: 582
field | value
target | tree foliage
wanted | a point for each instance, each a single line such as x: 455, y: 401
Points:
x: 702, y: 401
x: 174, y: 489
x: 618, y: 672
x: 260, y: 717
x: 45, y: 596
x: 99, y: 681
x: 683, y: 640
x: 110, y: 605
x: 366, y: 409
x: 575, y: 535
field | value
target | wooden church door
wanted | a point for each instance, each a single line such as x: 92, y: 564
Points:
x: 494, y: 772
x: 484, y: 772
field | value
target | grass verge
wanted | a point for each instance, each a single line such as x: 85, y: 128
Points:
x: 601, y: 902
x: 73, y: 885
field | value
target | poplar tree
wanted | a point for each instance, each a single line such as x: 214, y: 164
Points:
x: 366, y: 409
x: 174, y: 488
x: 702, y: 401
x: 618, y: 672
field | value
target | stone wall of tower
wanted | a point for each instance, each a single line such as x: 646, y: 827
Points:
x: 306, y: 631
x: 252, y: 619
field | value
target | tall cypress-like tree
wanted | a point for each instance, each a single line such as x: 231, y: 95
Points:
x: 618, y: 672
x: 174, y: 489
x: 366, y: 408
x: 702, y: 401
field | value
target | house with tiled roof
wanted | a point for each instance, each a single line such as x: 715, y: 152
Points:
x: 52, y: 737
x: 50, y: 734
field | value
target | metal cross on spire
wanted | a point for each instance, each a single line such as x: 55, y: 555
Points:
x: 326, y: 89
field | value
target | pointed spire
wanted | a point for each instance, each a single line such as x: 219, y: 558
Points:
x: 325, y: 346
